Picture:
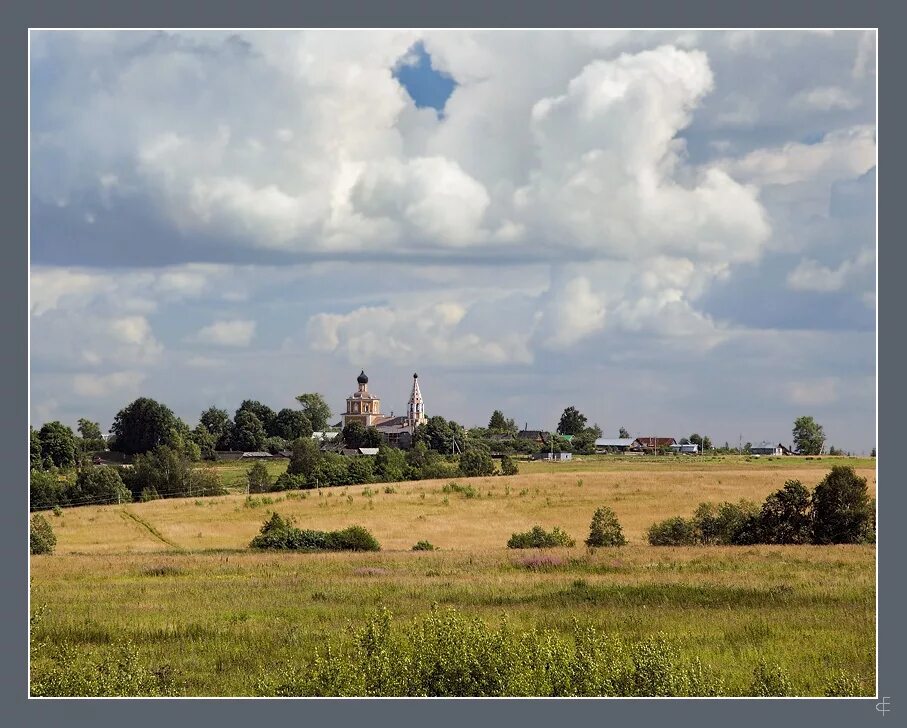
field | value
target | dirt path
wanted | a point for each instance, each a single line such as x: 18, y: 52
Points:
x: 151, y: 529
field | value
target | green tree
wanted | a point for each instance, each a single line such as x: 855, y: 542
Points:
x: 623, y: 434
x: 58, y: 445
x: 218, y: 423
x: 841, y: 508
x: 266, y: 416
x: 248, y: 432
x: 142, y: 426
x: 439, y: 435
x: 476, y: 463
x: 205, y: 441
x: 353, y: 434
x: 605, y: 529
x: 786, y: 515
x: 706, y: 443
x: 509, y: 466
x: 41, y: 535
x: 499, y: 425
x: 809, y: 437
x: 305, y: 457
x: 316, y: 409
x: 90, y: 430
x: 36, y: 460
x: 46, y: 489
x: 99, y: 485
x: 361, y: 469
x: 390, y: 464
x: 258, y: 478
x: 292, y: 424
x: 572, y: 422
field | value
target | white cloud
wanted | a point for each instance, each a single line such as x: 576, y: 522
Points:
x: 816, y: 392
x: 237, y: 332
x: 842, y: 154
x: 826, y: 98
x: 809, y: 275
x: 101, y: 385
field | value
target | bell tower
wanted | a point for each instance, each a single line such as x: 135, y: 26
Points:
x: 416, y: 406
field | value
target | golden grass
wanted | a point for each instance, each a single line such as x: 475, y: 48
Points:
x: 178, y: 580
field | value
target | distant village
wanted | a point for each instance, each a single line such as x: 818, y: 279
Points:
x: 363, y: 414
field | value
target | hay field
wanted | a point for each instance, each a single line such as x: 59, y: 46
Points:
x: 176, y: 579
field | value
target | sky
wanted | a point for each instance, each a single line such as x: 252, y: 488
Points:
x: 672, y: 231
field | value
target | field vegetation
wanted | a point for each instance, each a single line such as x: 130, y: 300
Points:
x: 171, y: 589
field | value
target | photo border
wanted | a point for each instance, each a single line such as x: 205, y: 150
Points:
x: 17, y: 17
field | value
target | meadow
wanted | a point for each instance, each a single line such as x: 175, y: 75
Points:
x: 176, y: 580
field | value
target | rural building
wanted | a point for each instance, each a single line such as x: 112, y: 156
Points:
x: 540, y: 437
x: 651, y: 442
x: 325, y: 436
x: 364, y: 407
x: 556, y: 456
x: 613, y: 444
x: 767, y: 448
x: 353, y: 451
x: 690, y: 448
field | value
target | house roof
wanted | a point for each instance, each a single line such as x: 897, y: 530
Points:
x: 654, y: 441
x: 614, y: 442
x: 257, y: 454
x: 532, y: 434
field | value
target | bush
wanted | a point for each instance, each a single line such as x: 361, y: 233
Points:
x: 101, y: 484
x: 46, y: 489
x: 258, y: 478
x: 509, y: 466
x: 476, y: 463
x: 538, y: 538
x: 41, y: 537
x: 288, y: 481
x: 727, y: 523
x: 605, y: 529
x: 786, y: 515
x: 841, y: 509
x: 424, y: 546
x: 672, y: 532
x: 466, y: 490
x: 446, y: 654
x: 770, y: 682
x: 279, y: 533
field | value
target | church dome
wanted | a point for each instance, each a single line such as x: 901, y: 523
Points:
x: 362, y: 379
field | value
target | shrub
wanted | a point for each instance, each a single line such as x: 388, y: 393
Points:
x: 509, y: 466
x: 466, y: 490
x: 46, y: 489
x: 727, y: 523
x: 149, y: 494
x: 41, y: 537
x: 538, y: 538
x: 424, y: 546
x: 770, y: 682
x: 258, y: 478
x: 116, y: 672
x: 99, y: 485
x: 672, y: 532
x: 290, y: 481
x: 842, y: 511
x: 476, y: 463
x: 605, y: 529
x: 280, y: 533
x: 786, y: 516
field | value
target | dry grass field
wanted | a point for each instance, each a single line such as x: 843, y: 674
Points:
x: 175, y: 577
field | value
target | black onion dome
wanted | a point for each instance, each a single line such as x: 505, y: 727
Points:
x: 362, y: 379
x: 415, y: 376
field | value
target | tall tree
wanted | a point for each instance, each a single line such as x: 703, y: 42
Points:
x: 248, y: 431
x: 292, y: 424
x: 572, y: 422
x: 58, y: 445
x: 305, y: 457
x: 89, y: 430
x: 809, y: 437
x: 265, y: 415
x: 623, y: 433
x: 36, y: 460
x: 497, y: 423
x: 316, y: 409
x: 141, y: 426
x: 215, y: 421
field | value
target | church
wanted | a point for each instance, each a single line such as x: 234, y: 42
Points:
x: 364, y: 407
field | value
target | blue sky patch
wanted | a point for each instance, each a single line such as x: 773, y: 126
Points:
x: 425, y: 85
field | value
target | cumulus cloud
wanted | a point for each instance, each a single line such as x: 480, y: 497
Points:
x: 809, y: 275
x: 120, y: 383
x: 816, y: 392
x: 826, y: 98
x: 237, y: 332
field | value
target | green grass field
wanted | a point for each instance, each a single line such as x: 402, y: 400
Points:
x: 175, y: 578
